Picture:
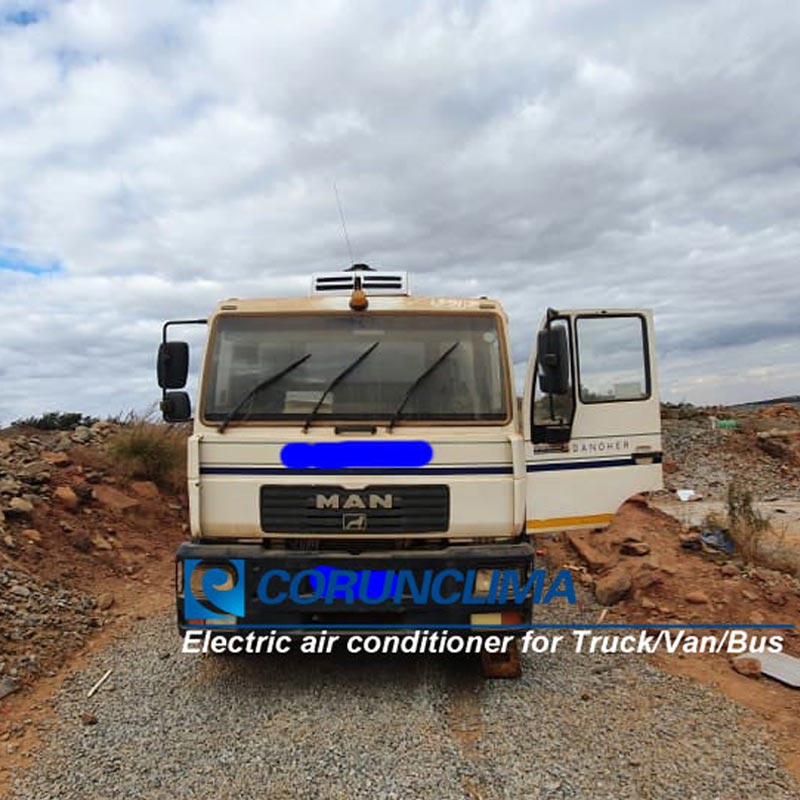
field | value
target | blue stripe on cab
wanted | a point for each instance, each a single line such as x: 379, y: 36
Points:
x: 499, y: 470
x: 559, y: 465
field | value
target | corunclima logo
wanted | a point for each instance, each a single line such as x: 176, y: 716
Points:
x: 213, y: 591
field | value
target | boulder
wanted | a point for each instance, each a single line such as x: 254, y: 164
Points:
x: 747, y: 666
x: 145, y: 489
x: 696, y: 598
x: 593, y: 556
x: 611, y: 588
x: 635, y: 549
x: 81, y: 435
x: 66, y: 497
x: 19, y: 507
x: 101, y: 543
x: 113, y: 498
x: 56, y: 459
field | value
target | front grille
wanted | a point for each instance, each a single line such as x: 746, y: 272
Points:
x: 336, y: 511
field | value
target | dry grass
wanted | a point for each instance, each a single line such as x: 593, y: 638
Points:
x: 746, y: 524
x: 152, y: 451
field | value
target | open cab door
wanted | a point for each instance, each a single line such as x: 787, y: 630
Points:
x: 592, y: 420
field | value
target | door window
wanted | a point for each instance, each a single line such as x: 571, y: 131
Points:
x: 612, y: 359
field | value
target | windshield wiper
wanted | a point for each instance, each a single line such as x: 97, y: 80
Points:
x: 259, y: 387
x: 340, y: 377
x: 414, y: 386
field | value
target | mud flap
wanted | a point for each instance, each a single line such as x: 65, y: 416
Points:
x: 502, y: 665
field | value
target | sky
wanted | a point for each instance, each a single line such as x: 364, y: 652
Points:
x: 158, y: 157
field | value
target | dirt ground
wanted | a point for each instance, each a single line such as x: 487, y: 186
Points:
x: 674, y: 585
x: 110, y: 558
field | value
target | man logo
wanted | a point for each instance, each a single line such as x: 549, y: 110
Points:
x: 213, y: 591
x: 354, y: 522
x: 354, y: 500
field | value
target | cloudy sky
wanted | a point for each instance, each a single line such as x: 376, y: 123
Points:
x: 156, y: 157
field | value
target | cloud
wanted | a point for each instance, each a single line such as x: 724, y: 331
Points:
x: 155, y: 158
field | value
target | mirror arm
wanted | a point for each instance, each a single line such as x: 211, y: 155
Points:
x: 164, y: 329
x: 167, y: 324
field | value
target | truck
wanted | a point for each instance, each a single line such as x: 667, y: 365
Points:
x: 366, y: 431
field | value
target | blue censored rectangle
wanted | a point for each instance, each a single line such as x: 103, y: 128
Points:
x: 372, y: 583
x: 344, y: 455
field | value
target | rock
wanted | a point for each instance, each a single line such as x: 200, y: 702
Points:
x: 19, y: 507
x: 5, y: 448
x: 81, y: 435
x: 691, y: 541
x: 105, y: 600
x: 145, y: 489
x: 101, y: 543
x: 638, y: 500
x: 647, y: 603
x: 729, y: 570
x: 66, y: 497
x: 757, y: 618
x: 8, y: 686
x: 611, y: 588
x: 20, y: 591
x: 32, y: 534
x: 646, y: 580
x: 113, y: 498
x: 748, y: 666
x: 10, y: 486
x: 669, y: 467
x: 588, y: 552
x: 84, y: 492
x: 8, y: 541
x: 2, y: 516
x: 87, y: 718
x: 748, y: 595
x: 635, y: 549
x: 775, y: 597
x: 56, y: 459
x: 696, y: 598
x: 33, y: 471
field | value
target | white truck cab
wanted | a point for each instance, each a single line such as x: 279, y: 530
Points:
x: 366, y: 429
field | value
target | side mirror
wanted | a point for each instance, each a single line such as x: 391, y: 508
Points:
x: 176, y: 407
x: 172, y: 366
x: 553, y: 358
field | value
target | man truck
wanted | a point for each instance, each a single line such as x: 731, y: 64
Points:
x: 366, y: 431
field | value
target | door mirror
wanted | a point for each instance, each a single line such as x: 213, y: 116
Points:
x: 176, y: 407
x: 553, y: 358
x: 173, y: 365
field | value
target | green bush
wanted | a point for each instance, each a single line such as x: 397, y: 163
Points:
x: 56, y: 421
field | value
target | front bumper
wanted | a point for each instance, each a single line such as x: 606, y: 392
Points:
x: 252, y: 561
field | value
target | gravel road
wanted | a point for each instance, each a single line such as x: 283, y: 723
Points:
x: 576, y: 726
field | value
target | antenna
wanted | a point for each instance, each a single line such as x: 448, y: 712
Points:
x: 344, y: 226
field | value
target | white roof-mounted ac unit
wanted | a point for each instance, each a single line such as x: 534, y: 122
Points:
x: 372, y: 282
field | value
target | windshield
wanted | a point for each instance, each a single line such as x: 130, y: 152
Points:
x: 469, y: 385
